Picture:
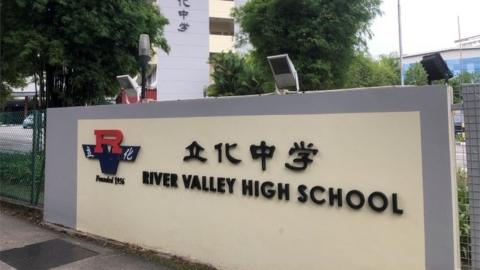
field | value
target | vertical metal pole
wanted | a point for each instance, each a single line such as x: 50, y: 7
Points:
x: 471, y: 110
x: 2, y: 173
x: 144, y: 78
x: 34, y: 156
x: 461, y: 51
x: 402, y: 80
x: 144, y: 57
x: 41, y: 152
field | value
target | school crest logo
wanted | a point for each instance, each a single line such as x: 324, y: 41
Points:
x: 109, y: 151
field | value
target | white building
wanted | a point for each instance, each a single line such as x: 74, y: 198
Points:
x: 465, y: 59
x: 197, y: 29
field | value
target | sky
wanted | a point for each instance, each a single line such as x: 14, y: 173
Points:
x: 426, y: 25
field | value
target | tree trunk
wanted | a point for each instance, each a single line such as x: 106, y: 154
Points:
x: 49, y: 86
x: 43, y: 102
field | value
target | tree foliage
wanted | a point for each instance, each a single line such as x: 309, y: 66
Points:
x: 12, y: 71
x: 463, y: 78
x: 416, y: 75
x: 76, y: 48
x: 320, y: 36
x: 368, y: 72
x: 5, y: 93
x: 234, y: 74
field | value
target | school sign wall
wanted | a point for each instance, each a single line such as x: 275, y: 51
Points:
x: 357, y: 179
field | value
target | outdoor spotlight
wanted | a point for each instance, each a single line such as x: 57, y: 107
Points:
x: 144, y: 45
x: 144, y: 57
x: 436, y: 68
x: 129, y: 85
x: 283, y: 71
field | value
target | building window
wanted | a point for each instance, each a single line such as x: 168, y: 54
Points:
x: 221, y: 26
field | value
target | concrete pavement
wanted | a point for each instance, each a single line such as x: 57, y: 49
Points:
x: 461, y: 155
x: 28, y: 246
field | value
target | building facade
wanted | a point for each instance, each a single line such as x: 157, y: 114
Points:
x: 196, y: 30
x: 458, y: 60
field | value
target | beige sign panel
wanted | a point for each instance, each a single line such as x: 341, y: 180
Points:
x: 357, y: 204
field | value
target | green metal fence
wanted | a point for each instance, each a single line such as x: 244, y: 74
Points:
x: 22, y: 156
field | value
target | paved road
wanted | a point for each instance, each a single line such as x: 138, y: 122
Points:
x: 15, y: 139
x: 27, y: 246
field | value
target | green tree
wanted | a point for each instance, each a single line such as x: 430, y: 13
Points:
x: 416, y: 75
x: 365, y: 71
x: 12, y: 71
x: 254, y: 80
x: 5, y: 93
x: 391, y: 63
x: 234, y: 74
x: 320, y: 36
x: 227, y: 68
x: 463, y: 78
x: 77, y: 48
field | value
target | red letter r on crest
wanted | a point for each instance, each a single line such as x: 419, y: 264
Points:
x: 108, y: 137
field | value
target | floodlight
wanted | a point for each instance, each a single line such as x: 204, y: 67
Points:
x: 144, y: 57
x: 129, y: 85
x: 284, y: 72
x: 436, y: 68
x: 144, y: 45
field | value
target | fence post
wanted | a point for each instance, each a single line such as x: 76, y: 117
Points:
x: 41, y: 150
x: 34, y: 156
x: 471, y: 109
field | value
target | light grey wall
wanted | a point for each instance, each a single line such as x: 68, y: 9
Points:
x: 431, y: 101
x: 184, y: 72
